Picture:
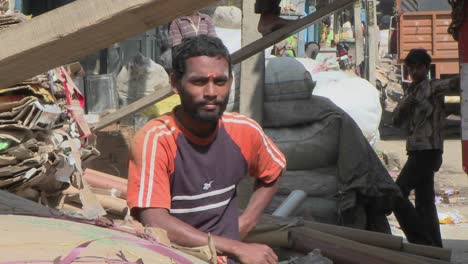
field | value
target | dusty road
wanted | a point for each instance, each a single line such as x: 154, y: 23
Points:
x: 450, y: 176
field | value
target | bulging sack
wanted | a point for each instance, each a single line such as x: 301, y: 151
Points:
x: 310, y: 146
x: 286, y: 79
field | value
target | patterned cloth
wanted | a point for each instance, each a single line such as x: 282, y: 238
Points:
x: 184, y: 27
x: 422, y: 112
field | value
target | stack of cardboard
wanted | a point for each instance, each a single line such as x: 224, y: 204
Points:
x: 42, y: 144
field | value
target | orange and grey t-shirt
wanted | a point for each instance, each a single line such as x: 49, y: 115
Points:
x: 196, y: 178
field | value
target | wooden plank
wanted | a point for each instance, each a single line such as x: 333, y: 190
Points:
x: 443, y: 22
x: 433, y: 21
x: 446, y: 46
x: 161, y: 93
x: 440, y: 30
x: 417, y: 30
x: 359, y: 50
x: 418, y: 38
x: 428, y: 13
x: 444, y: 38
x: 423, y: 22
x: 372, y: 39
x: 409, y: 46
x: 75, y: 30
x: 252, y: 76
x: 244, y: 53
x: 288, y: 30
x: 447, y: 54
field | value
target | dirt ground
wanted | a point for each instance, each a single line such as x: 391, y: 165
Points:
x: 450, y: 177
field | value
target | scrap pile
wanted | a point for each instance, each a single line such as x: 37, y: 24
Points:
x: 43, y: 136
x: 9, y: 18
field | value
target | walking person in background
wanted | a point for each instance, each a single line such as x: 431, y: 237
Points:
x: 421, y: 111
x: 190, y: 26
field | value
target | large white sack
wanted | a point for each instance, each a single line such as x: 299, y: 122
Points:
x: 313, y: 66
x: 139, y: 78
x: 230, y: 37
x: 356, y: 96
x: 227, y: 17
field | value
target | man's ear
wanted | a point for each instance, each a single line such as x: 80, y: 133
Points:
x: 175, y: 83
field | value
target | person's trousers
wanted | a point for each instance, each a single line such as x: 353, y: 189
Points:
x: 267, y: 7
x: 420, y: 223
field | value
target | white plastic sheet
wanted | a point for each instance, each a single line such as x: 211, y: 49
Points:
x: 356, y: 96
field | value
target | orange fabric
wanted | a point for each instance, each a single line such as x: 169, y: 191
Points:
x: 151, y: 163
x: 265, y: 160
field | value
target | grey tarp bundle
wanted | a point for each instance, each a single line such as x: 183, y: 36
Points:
x: 361, y: 175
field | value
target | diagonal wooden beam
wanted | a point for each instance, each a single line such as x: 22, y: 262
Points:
x: 75, y: 30
x: 161, y: 92
x: 284, y: 32
x: 238, y: 56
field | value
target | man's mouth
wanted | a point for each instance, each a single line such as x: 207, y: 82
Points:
x: 210, y: 106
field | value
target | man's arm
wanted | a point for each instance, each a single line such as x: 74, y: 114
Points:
x: 259, y: 200
x: 402, y: 110
x: 447, y: 86
x: 211, y: 27
x: 185, y: 235
x: 175, y: 36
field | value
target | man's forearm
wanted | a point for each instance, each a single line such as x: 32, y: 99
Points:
x: 183, y: 234
x: 259, y: 200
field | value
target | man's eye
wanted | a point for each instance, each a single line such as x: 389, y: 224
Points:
x: 198, y: 82
x: 220, y: 82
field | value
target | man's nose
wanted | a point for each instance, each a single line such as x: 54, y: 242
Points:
x: 210, y: 90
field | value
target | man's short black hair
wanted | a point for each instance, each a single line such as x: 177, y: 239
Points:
x: 201, y: 45
x: 418, y: 56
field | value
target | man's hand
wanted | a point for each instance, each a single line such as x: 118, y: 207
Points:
x: 255, y: 254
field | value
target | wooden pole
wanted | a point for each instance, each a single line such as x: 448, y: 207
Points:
x: 342, y: 250
x: 359, y: 56
x: 162, y: 92
x: 252, y: 75
x: 371, y: 41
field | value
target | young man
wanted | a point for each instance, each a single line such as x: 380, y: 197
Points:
x: 190, y: 26
x: 421, y: 111
x: 185, y: 166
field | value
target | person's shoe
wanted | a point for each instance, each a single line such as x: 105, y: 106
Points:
x: 269, y: 23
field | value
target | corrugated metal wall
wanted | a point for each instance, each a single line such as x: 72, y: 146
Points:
x: 409, y: 5
x: 424, y: 5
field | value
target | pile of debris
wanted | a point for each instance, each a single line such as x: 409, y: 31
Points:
x: 9, y: 18
x: 41, y: 143
x: 43, y: 136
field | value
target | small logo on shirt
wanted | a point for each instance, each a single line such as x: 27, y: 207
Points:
x: 207, y: 186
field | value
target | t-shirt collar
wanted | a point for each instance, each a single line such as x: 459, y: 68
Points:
x: 193, y: 138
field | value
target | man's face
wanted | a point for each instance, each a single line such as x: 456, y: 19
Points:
x: 418, y: 72
x: 204, y: 88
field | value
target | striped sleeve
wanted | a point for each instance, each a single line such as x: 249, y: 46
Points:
x: 264, y: 158
x: 175, y: 36
x: 150, y: 169
x: 211, y: 27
